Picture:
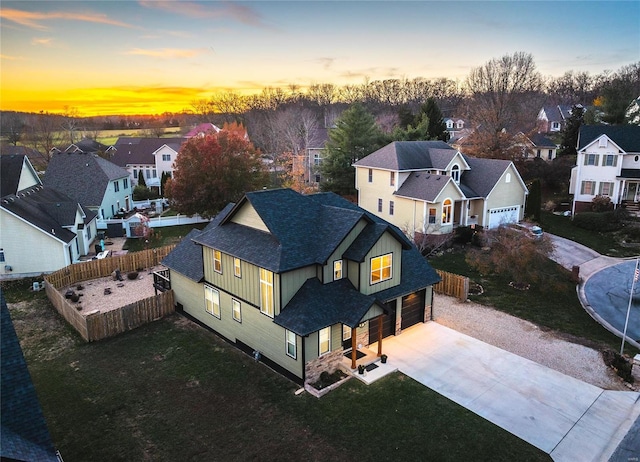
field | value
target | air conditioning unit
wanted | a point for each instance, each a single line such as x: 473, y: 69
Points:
x: 8, y: 268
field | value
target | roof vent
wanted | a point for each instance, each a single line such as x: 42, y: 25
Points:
x: 53, y: 231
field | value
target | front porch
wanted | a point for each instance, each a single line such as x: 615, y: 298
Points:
x: 374, y: 368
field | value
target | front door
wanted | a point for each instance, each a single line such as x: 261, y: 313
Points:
x: 632, y: 191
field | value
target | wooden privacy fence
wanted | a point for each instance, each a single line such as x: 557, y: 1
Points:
x: 94, y: 269
x: 452, y: 284
x: 98, y: 325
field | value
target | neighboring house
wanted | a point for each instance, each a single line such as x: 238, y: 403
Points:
x: 428, y: 187
x: 43, y: 229
x: 298, y: 280
x: 95, y: 182
x: 85, y: 146
x: 455, y: 126
x: 24, y: 435
x: 315, y: 153
x: 552, y: 119
x: 608, y: 164
x: 37, y: 159
x: 150, y: 156
x: 201, y: 130
x: 537, y: 146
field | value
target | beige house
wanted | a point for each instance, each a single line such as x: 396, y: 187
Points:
x: 428, y: 187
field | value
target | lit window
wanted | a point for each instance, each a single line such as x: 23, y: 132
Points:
x: 236, y: 309
x: 432, y: 216
x: 291, y: 344
x: 346, y: 332
x: 324, y: 341
x: 606, y: 188
x: 370, y: 175
x: 609, y: 160
x: 588, y: 187
x: 391, y: 206
x: 381, y: 268
x: 237, y: 269
x: 217, y: 261
x: 446, y: 212
x: 392, y: 179
x: 266, y: 292
x: 337, y: 270
x: 212, y: 301
x: 380, y: 205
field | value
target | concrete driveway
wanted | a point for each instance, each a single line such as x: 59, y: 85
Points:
x: 565, y: 417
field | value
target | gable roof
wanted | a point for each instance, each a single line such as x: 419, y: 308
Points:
x: 424, y: 186
x: 410, y: 155
x: 483, y: 176
x: 541, y: 141
x: 24, y: 434
x: 47, y: 209
x: 11, y: 172
x: 84, y: 177
x: 202, y: 129
x: 627, y: 137
x: 136, y: 150
x: 36, y: 159
x: 86, y: 146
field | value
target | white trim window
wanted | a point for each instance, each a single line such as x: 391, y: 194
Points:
x: 602, y: 142
x: 212, y: 301
x: 237, y: 267
x: 217, y: 261
x: 392, y: 178
x: 609, y: 160
x: 236, y: 309
x: 337, y: 270
x: 324, y: 341
x: 370, y: 175
x: 2, y: 256
x: 266, y: 292
x: 455, y: 173
x: 606, y: 188
x: 290, y: 341
x: 380, y: 205
x: 447, y: 212
x: 166, y: 157
x: 381, y: 268
x: 391, y: 207
x: 588, y: 187
x: 432, y: 215
x: 591, y: 159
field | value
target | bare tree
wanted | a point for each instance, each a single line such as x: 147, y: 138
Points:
x: 70, y: 123
x: 13, y: 127
x: 44, y: 134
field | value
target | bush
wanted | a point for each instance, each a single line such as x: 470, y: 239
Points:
x: 621, y: 365
x: 142, y: 193
x: 600, y: 222
x: 601, y: 204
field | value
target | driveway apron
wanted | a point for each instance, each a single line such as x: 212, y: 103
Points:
x: 563, y: 416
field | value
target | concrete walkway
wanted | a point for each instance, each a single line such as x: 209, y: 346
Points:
x: 565, y: 417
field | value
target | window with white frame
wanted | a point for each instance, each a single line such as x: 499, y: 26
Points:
x: 507, y: 178
x: 391, y: 207
x: 346, y: 332
x: 266, y: 292
x: 606, y: 188
x: 432, y: 215
x: 125, y: 183
x: 381, y: 268
x: 237, y: 268
x: 380, y: 205
x: 212, y: 301
x: 609, y: 160
x: 217, y: 261
x: 591, y: 159
x: 291, y: 344
x: 324, y: 341
x: 455, y: 173
x: 447, y: 209
x: 337, y: 270
x: 588, y: 187
x: 392, y: 178
x: 166, y: 157
x: 449, y: 123
x: 1, y: 255
x: 602, y: 142
x: 555, y: 125
x: 148, y: 173
x: 459, y: 124
x: 236, y: 309
x: 116, y: 186
x: 316, y: 159
x: 154, y: 173
x: 550, y: 156
x: 370, y: 175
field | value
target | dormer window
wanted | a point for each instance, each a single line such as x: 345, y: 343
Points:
x: 555, y: 126
x: 455, y: 173
x: 449, y: 123
x: 460, y: 124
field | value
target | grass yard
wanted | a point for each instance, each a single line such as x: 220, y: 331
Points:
x: 557, y: 310
x: 174, y: 391
x: 161, y: 236
x: 603, y: 243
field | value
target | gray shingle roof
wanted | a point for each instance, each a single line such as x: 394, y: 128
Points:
x: 625, y: 136
x: 24, y: 434
x: 84, y: 177
x: 316, y: 306
x: 365, y: 241
x: 483, y: 176
x: 87, y: 146
x: 541, y: 141
x: 10, y: 171
x: 136, y: 151
x: 417, y: 274
x: 423, y: 186
x: 45, y: 208
x: 410, y: 155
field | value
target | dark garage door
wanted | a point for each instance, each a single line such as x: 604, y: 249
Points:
x: 413, y: 309
x: 388, y: 323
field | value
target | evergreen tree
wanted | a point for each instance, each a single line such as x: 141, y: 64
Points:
x: 141, y: 181
x: 571, y: 130
x: 534, y: 201
x: 437, y: 129
x: 356, y: 135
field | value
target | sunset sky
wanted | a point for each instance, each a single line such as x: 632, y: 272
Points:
x: 147, y: 57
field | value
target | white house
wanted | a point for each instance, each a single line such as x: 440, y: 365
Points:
x: 43, y: 229
x: 608, y: 164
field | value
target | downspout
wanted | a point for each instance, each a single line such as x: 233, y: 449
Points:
x: 432, y: 291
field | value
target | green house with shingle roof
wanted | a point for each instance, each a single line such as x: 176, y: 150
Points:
x: 301, y: 280
x: 428, y: 187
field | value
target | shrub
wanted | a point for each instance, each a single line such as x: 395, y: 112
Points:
x: 463, y: 235
x: 594, y: 221
x: 620, y: 364
x: 132, y: 275
x: 601, y: 204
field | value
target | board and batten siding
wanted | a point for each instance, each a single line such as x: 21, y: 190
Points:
x: 291, y: 281
x: 386, y: 244
x: 327, y: 270
x: 189, y: 294
x: 312, y: 344
x: 248, y: 216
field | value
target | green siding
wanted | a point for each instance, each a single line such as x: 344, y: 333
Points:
x: 312, y: 343
x: 386, y: 244
x: 337, y: 254
x: 293, y: 280
x: 188, y: 293
x: 352, y: 273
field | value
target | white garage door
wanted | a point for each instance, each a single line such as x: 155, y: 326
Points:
x: 503, y: 215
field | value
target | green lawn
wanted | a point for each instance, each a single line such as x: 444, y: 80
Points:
x: 173, y: 391
x: 603, y: 243
x: 559, y: 310
x: 161, y: 237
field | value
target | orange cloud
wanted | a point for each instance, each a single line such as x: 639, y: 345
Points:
x: 211, y: 10
x: 165, y: 52
x: 34, y: 20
